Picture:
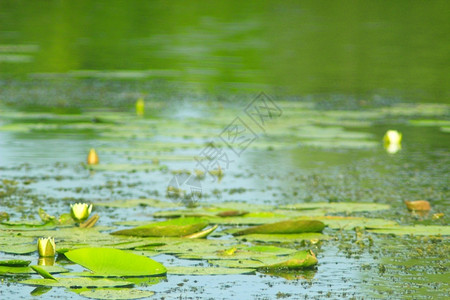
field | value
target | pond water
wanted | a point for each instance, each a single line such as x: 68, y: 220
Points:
x: 338, y: 76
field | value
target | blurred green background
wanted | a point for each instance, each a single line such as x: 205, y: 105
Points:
x: 76, y: 50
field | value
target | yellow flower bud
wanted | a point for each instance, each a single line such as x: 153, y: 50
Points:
x: 392, y: 137
x: 140, y: 107
x: 92, y: 158
x: 46, y: 247
x: 80, y: 211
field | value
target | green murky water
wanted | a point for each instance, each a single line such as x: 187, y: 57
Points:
x: 341, y: 76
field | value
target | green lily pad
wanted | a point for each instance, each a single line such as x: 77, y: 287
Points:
x: 336, y: 207
x: 281, y: 238
x: 284, y: 227
x: 207, y: 271
x: 18, y: 249
x: 171, y: 228
x: 15, y: 263
x: 237, y: 263
x: 298, y: 260
x: 414, y: 230
x: 43, y: 272
x: 349, y: 223
x: 114, y: 262
x: 28, y: 270
x: 78, y: 282
x: 114, y: 293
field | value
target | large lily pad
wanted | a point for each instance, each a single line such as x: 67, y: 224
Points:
x: 284, y: 227
x: 116, y: 293
x: 171, y: 228
x: 114, y: 262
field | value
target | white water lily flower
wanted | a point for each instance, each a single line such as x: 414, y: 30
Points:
x: 81, y: 211
x: 46, y: 247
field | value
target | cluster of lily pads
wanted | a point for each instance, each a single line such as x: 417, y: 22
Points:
x: 231, y: 237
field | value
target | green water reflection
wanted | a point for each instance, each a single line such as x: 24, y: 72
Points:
x: 352, y: 48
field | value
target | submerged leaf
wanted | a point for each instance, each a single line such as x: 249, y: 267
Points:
x: 283, y: 227
x: 172, y: 228
x: 114, y: 262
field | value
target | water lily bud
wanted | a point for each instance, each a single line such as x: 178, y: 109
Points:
x: 392, y: 137
x: 140, y: 107
x: 392, y: 141
x: 81, y: 211
x: 92, y: 158
x: 46, y: 247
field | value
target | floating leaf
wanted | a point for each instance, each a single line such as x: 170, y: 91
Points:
x: 15, y: 263
x: 44, y: 273
x: 298, y: 260
x: 349, y: 223
x: 28, y: 270
x: 336, y: 207
x: 207, y: 271
x: 114, y: 262
x: 172, y: 228
x: 18, y: 249
x: 78, y: 282
x: 414, y: 230
x: 237, y: 263
x: 271, y: 238
x: 232, y: 213
x: 114, y: 293
x: 420, y: 205
x: 202, y: 234
x: 283, y: 227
